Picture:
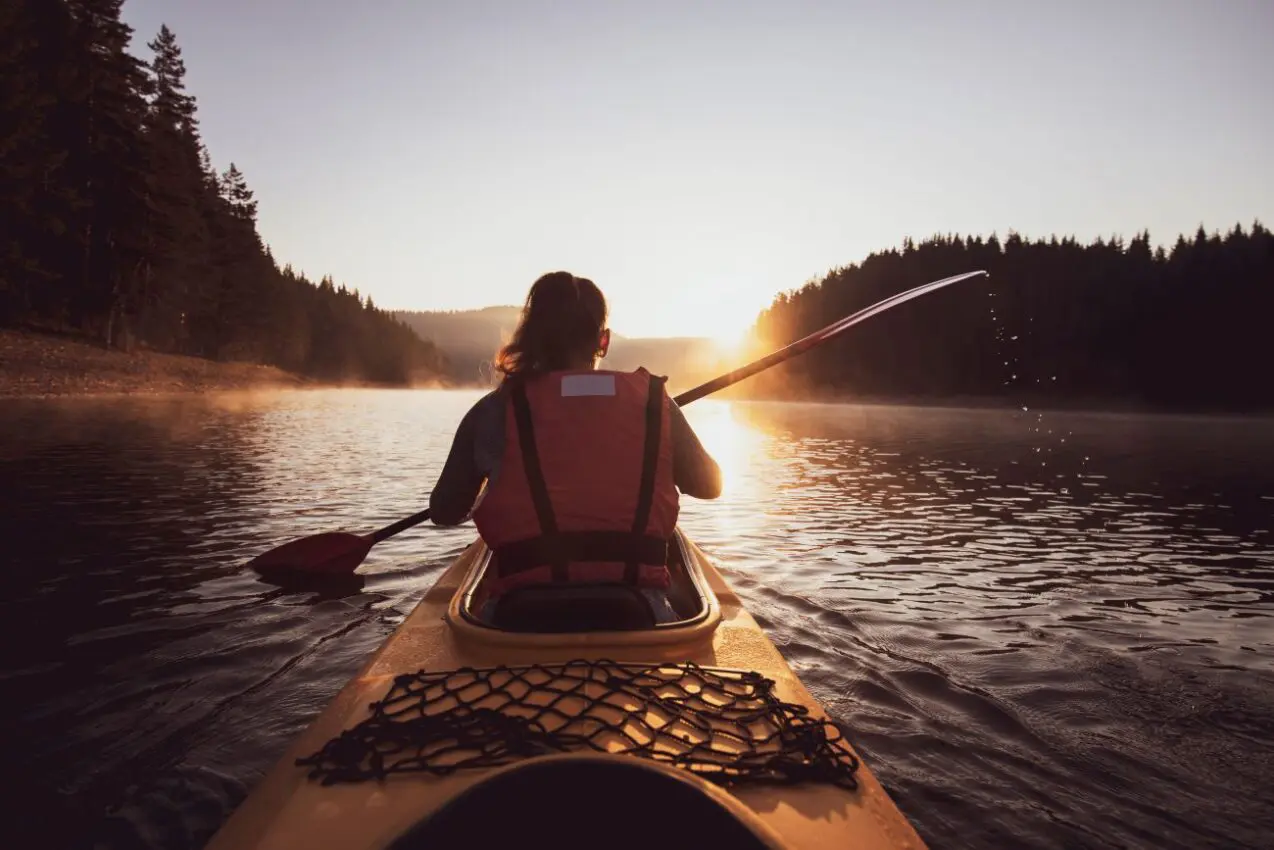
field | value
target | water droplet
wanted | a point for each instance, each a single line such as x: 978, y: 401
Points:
x: 1015, y: 378
x: 1024, y: 407
x: 1013, y: 337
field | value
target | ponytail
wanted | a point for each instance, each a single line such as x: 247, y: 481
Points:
x: 560, y: 327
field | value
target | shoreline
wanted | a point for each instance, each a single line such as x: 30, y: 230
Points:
x: 1096, y: 406
x: 46, y: 365
x: 35, y: 364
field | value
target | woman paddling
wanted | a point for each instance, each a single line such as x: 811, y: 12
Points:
x: 581, y: 467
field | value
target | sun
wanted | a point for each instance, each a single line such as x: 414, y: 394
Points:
x: 731, y: 343
x: 731, y: 325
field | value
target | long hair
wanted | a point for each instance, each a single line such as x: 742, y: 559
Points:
x: 560, y: 327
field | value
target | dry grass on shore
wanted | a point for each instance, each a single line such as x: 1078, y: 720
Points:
x: 33, y: 364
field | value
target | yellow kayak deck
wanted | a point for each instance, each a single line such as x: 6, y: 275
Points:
x: 289, y: 809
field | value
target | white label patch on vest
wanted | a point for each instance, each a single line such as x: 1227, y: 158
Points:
x: 577, y: 385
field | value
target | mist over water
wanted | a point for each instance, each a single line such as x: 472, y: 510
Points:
x: 1040, y: 629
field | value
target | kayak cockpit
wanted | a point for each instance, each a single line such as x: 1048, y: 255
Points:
x: 591, y: 609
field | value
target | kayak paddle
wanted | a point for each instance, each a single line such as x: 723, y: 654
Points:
x: 340, y: 553
x: 333, y: 552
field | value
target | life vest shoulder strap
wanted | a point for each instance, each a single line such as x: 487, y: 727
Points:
x: 535, y: 474
x: 649, y: 460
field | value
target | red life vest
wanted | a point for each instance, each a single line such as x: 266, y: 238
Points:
x: 585, y: 490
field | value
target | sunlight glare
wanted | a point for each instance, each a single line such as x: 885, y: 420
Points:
x: 731, y: 441
x: 732, y: 343
x: 703, y: 312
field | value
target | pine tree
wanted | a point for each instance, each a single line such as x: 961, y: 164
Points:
x: 179, y: 233
x: 247, y: 289
x: 35, y: 194
x: 109, y: 168
x: 1139, y: 248
x: 235, y: 192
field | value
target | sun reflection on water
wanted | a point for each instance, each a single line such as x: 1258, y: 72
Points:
x: 733, y: 443
x: 750, y: 507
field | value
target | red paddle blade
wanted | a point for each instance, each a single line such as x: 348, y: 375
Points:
x: 335, y: 552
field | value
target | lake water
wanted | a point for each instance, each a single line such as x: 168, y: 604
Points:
x: 1042, y: 629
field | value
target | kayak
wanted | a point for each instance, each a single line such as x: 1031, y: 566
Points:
x: 569, y: 717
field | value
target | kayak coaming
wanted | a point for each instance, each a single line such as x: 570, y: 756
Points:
x: 688, y: 632
x: 287, y: 809
x: 760, y: 836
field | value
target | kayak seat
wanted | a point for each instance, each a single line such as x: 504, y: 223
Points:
x: 582, y: 608
x: 583, y: 804
x: 573, y: 608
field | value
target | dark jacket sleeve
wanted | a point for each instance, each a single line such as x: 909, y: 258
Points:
x: 694, y: 471
x: 461, y: 480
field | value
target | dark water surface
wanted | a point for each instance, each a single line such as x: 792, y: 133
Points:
x: 1044, y: 629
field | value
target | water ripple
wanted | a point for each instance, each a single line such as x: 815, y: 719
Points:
x: 1047, y: 630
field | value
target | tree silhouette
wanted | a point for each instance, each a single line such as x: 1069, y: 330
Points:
x: 1057, y: 321
x: 117, y: 224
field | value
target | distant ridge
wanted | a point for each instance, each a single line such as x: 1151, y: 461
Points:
x: 470, y: 339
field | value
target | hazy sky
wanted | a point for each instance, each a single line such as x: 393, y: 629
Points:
x: 696, y: 158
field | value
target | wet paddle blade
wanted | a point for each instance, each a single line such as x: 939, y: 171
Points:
x: 334, y: 552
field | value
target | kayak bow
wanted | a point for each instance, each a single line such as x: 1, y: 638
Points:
x: 576, y: 719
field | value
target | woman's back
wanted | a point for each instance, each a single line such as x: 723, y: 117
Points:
x: 477, y: 455
x: 581, y: 468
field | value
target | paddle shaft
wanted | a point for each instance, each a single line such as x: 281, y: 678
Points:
x: 401, y: 525
x: 802, y: 345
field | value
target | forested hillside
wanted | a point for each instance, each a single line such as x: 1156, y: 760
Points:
x: 117, y: 225
x: 1105, y: 323
x: 471, y: 338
